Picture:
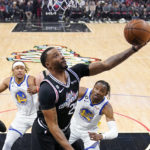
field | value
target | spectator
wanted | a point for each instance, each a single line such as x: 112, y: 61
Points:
x: 15, y: 11
x: 2, y: 11
x: 98, y: 12
x: 115, y: 11
x: 22, y: 7
x: 106, y: 11
x: 148, y: 11
x: 8, y: 11
x: 125, y: 13
x: 28, y: 11
x: 86, y: 10
x: 135, y: 11
x: 92, y: 8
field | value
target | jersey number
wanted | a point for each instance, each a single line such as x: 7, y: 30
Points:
x: 72, y: 108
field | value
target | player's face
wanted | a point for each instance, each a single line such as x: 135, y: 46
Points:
x: 99, y: 91
x: 56, y: 60
x: 19, y: 71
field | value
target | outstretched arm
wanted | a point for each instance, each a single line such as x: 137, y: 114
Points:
x: 5, y: 84
x: 113, y: 61
x: 112, y: 133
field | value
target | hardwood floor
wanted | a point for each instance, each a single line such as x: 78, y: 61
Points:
x: 130, y: 81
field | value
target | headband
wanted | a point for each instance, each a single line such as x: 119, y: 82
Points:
x: 18, y: 64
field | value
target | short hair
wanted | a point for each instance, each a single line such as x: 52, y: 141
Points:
x: 44, y: 56
x: 107, y: 86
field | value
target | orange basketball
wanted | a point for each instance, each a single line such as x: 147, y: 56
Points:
x: 137, y: 32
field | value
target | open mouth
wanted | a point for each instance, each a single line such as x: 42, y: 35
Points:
x: 96, y: 96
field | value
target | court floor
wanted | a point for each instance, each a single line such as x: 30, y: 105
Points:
x: 130, y: 81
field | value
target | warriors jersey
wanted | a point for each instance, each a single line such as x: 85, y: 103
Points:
x: 54, y: 93
x: 87, y: 115
x: 24, y: 101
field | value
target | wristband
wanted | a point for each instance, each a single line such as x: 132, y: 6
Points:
x: 134, y: 49
x: 37, y: 89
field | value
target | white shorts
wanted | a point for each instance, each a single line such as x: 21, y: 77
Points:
x: 22, y: 123
x: 83, y: 134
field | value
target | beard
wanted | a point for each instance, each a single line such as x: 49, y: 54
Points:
x: 61, y: 66
x: 66, y: 66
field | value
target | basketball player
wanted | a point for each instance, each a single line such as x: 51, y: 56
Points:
x: 58, y: 96
x: 78, y: 145
x: 2, y: 127
x: 25, y: 102
x: 91, y: 105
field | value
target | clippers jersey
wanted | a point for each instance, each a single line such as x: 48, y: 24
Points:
x: 87, y: 115
x: 23, y: 100
x: 65, y: 95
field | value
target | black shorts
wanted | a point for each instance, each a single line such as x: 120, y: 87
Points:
x: 2, y: 127
x: 42, y: 139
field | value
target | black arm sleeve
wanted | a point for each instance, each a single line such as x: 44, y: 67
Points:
x: 47, y: 96
x: 81, y: 70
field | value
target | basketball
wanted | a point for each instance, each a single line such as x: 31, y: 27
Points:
x: 137, y: 32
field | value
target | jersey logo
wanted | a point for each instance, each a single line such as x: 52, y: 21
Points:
x: 60, y: 91
x: 21, y: 97
x: 86, y: 114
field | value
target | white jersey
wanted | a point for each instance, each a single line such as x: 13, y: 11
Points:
x: 24, y: 101
x: 87, y: 115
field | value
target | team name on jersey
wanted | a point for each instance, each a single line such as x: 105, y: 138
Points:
x: 70, y: 97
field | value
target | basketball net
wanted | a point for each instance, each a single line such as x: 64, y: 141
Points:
x: 63, y: 5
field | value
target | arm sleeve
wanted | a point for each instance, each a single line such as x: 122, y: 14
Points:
x: 81, y: 70
x: 112, y: 133
x: 47, y: 96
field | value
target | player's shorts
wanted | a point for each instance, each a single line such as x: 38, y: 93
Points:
x: 83, y: 134
x: 22, y: 123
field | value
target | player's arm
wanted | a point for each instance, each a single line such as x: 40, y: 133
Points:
x: 31, y: 81
x: 51, y: 120
x: 5, y: 84
x: 47, y: 99
x: 82, y: 91
x: 35, y: 89
x: 32, y: 89
x: 39, y: 79
x: 35, y: 85
x: 113, y: 132
x: 111, y: 62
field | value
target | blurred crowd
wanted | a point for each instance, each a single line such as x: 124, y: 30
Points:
x: 86, y: 10
x: 19, y: 10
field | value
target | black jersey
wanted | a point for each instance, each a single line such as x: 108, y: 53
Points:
x: 54, y: 93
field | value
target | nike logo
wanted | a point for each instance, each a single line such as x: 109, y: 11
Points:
x: 61, y: 90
